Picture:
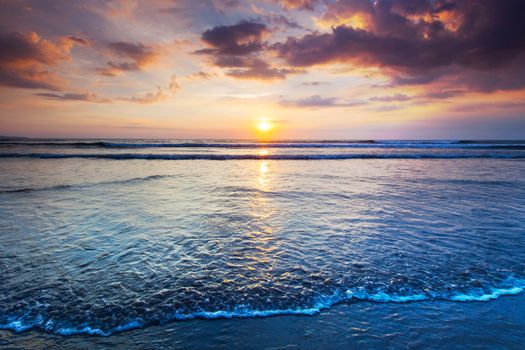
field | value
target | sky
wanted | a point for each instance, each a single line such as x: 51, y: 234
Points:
x: 313, y: 69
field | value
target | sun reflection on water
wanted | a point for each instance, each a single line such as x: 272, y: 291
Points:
x: 263, y: 152
x: 263, y: 175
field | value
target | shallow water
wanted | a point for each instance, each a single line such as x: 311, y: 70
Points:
x: 101, y: 244
x: 436, y: 324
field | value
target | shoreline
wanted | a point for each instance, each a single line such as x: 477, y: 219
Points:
x: 360, y: 324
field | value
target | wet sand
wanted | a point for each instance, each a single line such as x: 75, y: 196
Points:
x: 496, y: 324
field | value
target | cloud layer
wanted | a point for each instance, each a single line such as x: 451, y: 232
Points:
x: 472, y: 43
x: 292, y: 56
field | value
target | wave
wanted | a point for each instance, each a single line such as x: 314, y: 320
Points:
x: 149, y: 156
x: 462, y: 144
x: 511, y: 286
x: 57, y: 144
x: 84, y: 185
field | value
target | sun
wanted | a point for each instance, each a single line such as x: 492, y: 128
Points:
x: 264, y: 126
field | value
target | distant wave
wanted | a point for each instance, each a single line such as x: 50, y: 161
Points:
x: 151, y: 156
x: 53, y: 143
x: 512, y: 286
x: 62, y: 187
x: 290, y: 144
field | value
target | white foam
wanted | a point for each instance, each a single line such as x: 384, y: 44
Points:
x: 512, y: 286
x: 495, y: 294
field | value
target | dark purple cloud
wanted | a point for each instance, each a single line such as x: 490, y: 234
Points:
x: 443, y: 94
x: 17, y: 48
x: 29, y: 79
x: 26, y: 57
x: 136, y: 51
x: 137, y: 54
x: 239, y: 39
x: 239, y: 48
x: 463, y: 39
x: 86, y: 96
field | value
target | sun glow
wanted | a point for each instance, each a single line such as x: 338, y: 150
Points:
x: 264, y: 126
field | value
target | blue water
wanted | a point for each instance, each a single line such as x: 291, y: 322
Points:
x: 102, y: 236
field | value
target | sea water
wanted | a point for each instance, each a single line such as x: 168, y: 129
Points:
x: 102, y: 236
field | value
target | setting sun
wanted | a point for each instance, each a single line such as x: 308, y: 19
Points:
x: 264, y: 126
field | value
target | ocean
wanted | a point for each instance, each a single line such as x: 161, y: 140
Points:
x: 112, y: 237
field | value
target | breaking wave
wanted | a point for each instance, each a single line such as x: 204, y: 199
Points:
x: 154, y: 156
x: 517, y: 145
x: 511, y: 286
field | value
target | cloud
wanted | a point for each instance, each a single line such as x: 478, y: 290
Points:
x: 251, y: 68
x: 200, y: 11
x: 159, y: 94
x: 239, y: 39
x: 29, y: 78
x: 174, y: 85
x: 261, y: 72
x: 200, y: 75
x: 141, y: 54
x: 25, y: 59
x: 443, y: 94
x: 149, y: 97
x: 86, y: 96
x: 386, y: 108
x: 299, y: 4
x: 138, y: 56
x: 281, y: 21
x: 79, y: 40
x: 24, y: 49
x: 238, y: 48
x: 317, y: 101
x: 391, y: 98
x: 314, y: 83
x: 346, y: 44
x: 486, y: 106
x: 420, y: 41
x: 275, y: 19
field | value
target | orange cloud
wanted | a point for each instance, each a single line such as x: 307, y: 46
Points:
x: 25, y: 58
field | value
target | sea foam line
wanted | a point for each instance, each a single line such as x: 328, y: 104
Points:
x: 241, y: 311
